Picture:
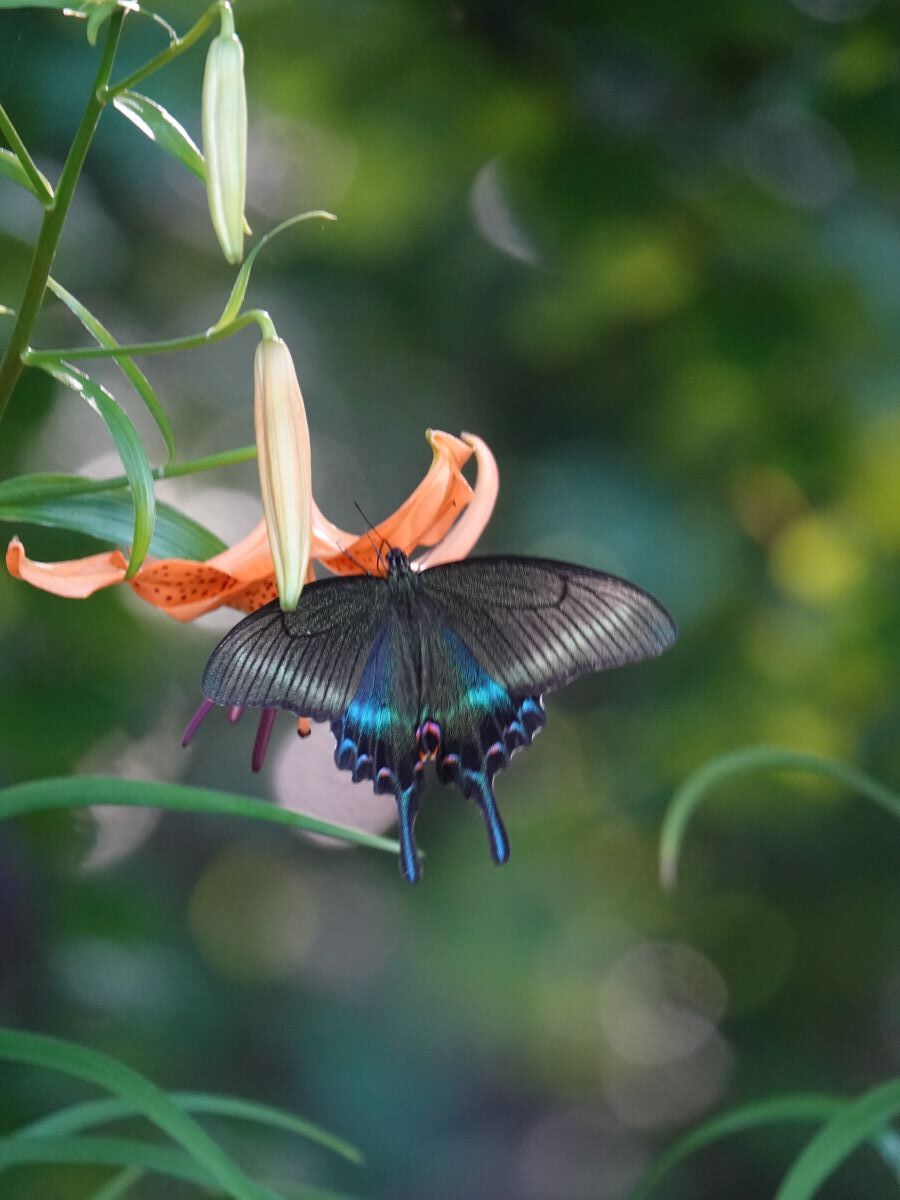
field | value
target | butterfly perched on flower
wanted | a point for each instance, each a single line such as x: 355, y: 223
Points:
x: 446, y: 664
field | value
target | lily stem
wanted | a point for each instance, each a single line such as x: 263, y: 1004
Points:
x: 54, y: 218
x: 38, y: 182
x: 177, y: 47
x: 217, y: 333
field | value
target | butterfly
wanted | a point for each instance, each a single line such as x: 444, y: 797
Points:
x: 446, y: 664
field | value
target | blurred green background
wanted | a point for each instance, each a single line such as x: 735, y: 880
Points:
x: 652, y: 254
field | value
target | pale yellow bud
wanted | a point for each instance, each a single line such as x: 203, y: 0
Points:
x: 224, y: 119
x: 285, y: 470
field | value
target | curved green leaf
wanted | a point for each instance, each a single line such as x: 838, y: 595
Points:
x: 119, y: 1185
x: 239, y: 291
x: 98, y: 15
x: 84, y: 791
x: 92, y: 1067
x: 109, y: 516
x: 13, y: 169
x: 743, y: 762
x: 131, y: 452
x: 128, y: 367
x: 158, y: 124
x: 111, y: 1152
x: 855, y: 1123
x: 799, y: 1107
x: 98, y: 1112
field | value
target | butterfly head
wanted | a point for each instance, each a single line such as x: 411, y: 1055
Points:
x: 397, y: 562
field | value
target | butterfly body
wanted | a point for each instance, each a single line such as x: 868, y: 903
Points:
x: 445, y: 665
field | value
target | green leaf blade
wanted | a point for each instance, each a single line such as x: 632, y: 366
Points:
x: 855, y: 1124
x: 158, y: 124
x: 86, y: 791
x: 109, y: 517
x: 11, y: 168
x: 90, y: 1066
x: 79, y: 1117
x: 127, y: 365
x: 131, y: 452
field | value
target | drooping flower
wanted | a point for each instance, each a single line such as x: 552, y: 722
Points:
x: 443, y: 513
x: 224, y: 121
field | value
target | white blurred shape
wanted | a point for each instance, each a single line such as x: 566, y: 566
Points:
x: 672, y: 1094
x: 660, y: 1002
x: 118, y: 832
x: 796, y: 156
x: 579, y: 1153
x: 306, y: 780
x: 297, y: 165
x: 494, y: 217
x: 836, y: 11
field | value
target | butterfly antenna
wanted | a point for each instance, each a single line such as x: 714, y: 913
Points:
x: 369, y: 533
x: 346, y: 553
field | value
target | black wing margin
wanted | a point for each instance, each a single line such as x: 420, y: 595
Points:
x: 308, y: 661
x: 535, y: 624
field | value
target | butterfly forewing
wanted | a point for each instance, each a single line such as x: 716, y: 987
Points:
x: 309, y: 661
x: 534, y: 624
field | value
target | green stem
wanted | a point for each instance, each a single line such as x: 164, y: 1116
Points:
x: 748, y: 761
x: 177, y: 47
x: 54, y: 218
x: 38, y: 182
x: 211, y: 462
x: 218, y: 333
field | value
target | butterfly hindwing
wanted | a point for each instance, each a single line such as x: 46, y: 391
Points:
x: 535, y: 624
x: 374, y: 735
x: 469, y: 723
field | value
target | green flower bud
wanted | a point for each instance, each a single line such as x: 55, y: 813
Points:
x: 224, y: 118
x: 285, y: 471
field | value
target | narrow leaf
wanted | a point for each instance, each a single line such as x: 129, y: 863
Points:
x: 119, y: 1185
x: 85, y: 791
x: 775, y: 1110
x: 128, y: 367
x: 156, y: 123
x: 39, y: 1051
x: 99, y: 15
x: 112, y: 1152
x: 98, y: 1112
x: 109, y: 517
x: 854, y: 1124
x: 743, y: 762
x: 239, y: 291
x: 13, y: 169
x: 131, y: 452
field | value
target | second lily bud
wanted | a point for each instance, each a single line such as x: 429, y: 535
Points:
x: 285, y: 470
x: 224, y: 119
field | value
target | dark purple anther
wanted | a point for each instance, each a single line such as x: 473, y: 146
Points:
x: 195, y: 721
x: 263, y: 733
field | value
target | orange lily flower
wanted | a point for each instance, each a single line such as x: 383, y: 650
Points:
x: 444, y: 513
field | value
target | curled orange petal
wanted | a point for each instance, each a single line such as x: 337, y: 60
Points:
x: 75, y: 578
x: 421, y: 520
x: 461, y: 538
